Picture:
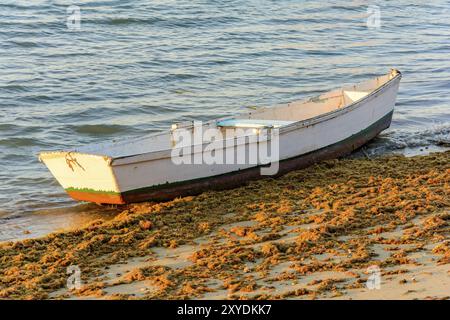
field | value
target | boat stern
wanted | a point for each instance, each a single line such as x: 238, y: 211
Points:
x: 85, y: 177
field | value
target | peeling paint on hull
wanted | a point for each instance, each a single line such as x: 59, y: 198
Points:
x: 234, y: 179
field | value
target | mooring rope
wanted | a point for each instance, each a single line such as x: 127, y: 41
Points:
x: 71, y: 160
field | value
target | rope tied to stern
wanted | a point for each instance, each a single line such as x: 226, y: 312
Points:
x: 71, y: 161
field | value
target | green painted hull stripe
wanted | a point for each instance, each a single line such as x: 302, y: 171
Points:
x: 88, y: 190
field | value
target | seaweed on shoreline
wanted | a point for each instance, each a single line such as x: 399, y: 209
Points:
x: 328, y: 217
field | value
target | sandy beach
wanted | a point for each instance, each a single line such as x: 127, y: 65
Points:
x: 342, y: 229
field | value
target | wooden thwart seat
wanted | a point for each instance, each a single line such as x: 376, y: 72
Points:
x: 253, y: 123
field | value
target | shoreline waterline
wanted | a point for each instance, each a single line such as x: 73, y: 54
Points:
x: 32, y: 224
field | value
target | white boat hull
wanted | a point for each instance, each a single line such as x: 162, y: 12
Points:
x: 154, y: 175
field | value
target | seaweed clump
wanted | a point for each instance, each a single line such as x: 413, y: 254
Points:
x: 326, y: 218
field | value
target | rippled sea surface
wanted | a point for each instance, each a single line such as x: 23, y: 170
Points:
x: 134, y: 67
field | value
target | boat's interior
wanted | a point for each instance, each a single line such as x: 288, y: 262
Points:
x: 275, y: 117
x: 303, y: 110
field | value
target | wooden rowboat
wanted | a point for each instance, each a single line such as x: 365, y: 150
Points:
x: 140, y: 169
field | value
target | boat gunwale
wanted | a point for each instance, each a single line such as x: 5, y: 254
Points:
x: 162, y: 154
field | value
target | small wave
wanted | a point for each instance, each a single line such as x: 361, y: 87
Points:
x: 180, y: 22
x: 437, y: 135
x: 13, y: 88
x: 99, y: 129
x: 8, y: 127
x: 124, y: 21
x: 67, y: 55
x: 25, y: 44
x: 37, y: 98
x: 20, y: 142
x: 9, y: 157
x: 179, y: 76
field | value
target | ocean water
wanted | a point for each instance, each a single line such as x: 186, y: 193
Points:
x: 135, y: 67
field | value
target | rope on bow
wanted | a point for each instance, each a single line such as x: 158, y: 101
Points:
x: 70, y: 160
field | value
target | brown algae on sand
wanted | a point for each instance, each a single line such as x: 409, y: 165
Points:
x: 311, y: 233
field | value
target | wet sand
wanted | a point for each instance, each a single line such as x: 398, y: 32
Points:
x: 42, y: 222
x: 317, y: 233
